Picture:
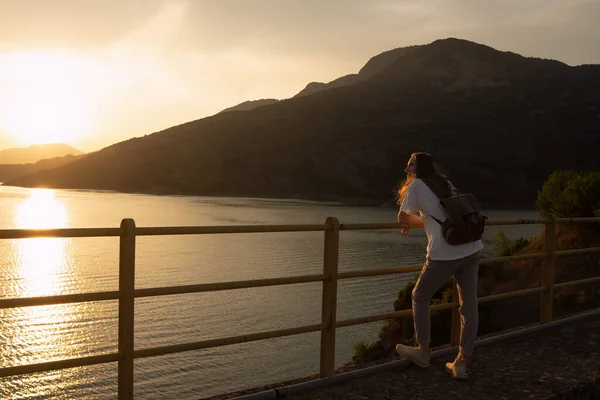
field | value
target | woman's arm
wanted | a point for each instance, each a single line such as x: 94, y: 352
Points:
x: 409, y: 219
x: 405, y: 218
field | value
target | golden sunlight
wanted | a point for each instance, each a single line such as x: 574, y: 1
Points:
x: 41, y: 267
x: 41, y: 211
x: 48, y: 102
x: 41, y: 259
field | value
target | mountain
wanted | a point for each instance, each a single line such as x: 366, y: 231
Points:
x: 10, y: 172
x: 374, y: 66
x: 250, y: 105
x: 498, y: 123
x: 36, y: 153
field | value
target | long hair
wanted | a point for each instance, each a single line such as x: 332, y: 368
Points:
x: 426, y: 169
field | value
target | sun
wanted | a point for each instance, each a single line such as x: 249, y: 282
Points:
x: 48, y: 104
x: 41, y: 116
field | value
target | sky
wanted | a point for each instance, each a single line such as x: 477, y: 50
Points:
x: 92, y: 73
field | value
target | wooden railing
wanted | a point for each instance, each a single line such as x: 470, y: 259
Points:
x: 127, y: 293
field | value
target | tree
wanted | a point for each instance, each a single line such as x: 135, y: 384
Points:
x: 570, y: 194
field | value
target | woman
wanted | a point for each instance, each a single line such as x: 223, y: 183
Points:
x: 443, y: 261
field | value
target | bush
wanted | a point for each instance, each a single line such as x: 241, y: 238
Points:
x: 363, y: 350
x: 506, y: 247
x: 570, y: 194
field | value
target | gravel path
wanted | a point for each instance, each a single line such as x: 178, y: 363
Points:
x: 558, y: 363
x: 551, y: 364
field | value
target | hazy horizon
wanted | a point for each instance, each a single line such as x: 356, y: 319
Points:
x: 92, y: 74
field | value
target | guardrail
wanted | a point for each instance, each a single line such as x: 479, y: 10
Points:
x: 127, y: 293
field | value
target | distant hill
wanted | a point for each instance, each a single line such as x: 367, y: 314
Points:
x: 250, y: 105
x: 10, y: 172
x: 33, y: 154
x: 499, y: 124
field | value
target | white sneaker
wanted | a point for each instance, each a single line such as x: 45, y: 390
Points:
x: 458, y: 369
x: 414, y: 354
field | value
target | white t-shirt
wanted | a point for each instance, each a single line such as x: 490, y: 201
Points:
x: 419, y: 198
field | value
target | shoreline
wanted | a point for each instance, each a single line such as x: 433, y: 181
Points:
x: 325, y: 201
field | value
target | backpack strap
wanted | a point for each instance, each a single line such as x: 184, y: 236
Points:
x: 441, y: 189
x: 436, y: 220
x: 454, y: 191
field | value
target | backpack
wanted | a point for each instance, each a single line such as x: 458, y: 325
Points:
x: 464, y: 222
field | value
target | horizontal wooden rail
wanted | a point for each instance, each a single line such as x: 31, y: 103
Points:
x: 371, y: 226
x: 445, y: 306
x: 389, y: 315
x: 216, y: 229
x: 396, y: 225
x: 206, y: 344
x: 213, y: 287
x: 59, y: 299
x: 579, y: 282
x: 61, y: 364
x: 219, y: 286
x: 516, y: 293
x: 377, y: 272
x: 220, y: 229
x: 493, y: 260
x: 578, y: 220
x: 526, y: 221
x: 373, y: 318
x: 589, y: 250
x: 59, y: 233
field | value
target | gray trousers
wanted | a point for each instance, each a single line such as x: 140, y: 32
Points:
x: 434, y: 274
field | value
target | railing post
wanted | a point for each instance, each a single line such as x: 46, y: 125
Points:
x: 329, y: 309
x: 126, y: 308
x: 547, y: 298
x: 455, y: 324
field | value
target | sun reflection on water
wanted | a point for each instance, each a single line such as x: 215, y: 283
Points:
x: 40, y: 211
x: 41, y: 260
x: 42, y: 266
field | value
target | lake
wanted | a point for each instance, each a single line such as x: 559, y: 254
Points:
x: 48, y: 266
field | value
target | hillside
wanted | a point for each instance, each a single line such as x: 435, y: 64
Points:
x: 498, y: 122
x: 9, y: 172
x: 250, y: 105
x: 375, y: 65
x: 33, y: 154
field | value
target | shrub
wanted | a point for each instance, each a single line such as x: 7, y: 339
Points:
x: 362, y: 350
x: 506, y: 247
x: 570, y: 194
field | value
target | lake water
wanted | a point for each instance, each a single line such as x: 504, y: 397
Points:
x: 46, y: 266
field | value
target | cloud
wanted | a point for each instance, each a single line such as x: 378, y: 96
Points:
x: 80, y: 24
